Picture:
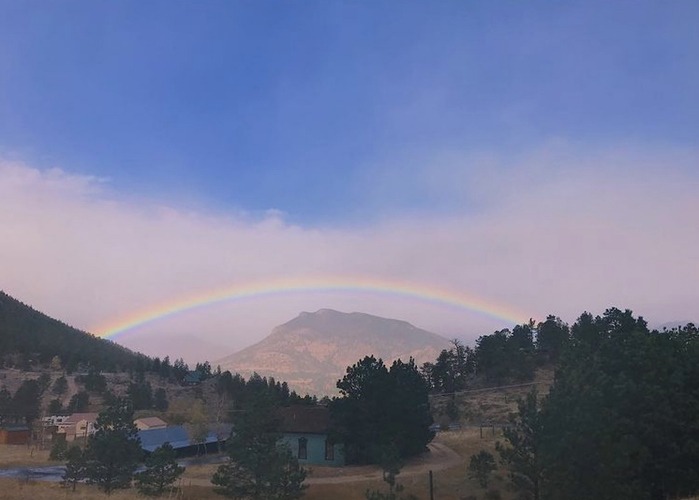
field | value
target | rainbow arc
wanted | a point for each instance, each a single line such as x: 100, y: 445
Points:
x: 261, y: 289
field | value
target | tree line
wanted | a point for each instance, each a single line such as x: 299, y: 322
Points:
x: 620, y: 420
x: 29, y: 338
x: 505, y: 356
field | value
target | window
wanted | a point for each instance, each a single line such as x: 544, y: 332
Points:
x: 303, y: 449
x: 329, y: 450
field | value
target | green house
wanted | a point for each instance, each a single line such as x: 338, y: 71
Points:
x: 305, y: 430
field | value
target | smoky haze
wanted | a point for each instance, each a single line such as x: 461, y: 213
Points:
x: 557, y: 230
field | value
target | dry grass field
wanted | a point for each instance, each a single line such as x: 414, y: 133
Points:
x: 22, y: 455
x: 450, y: 478
x: 489, y: 405
x: 450, y: 483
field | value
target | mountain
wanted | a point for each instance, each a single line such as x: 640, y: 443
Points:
x: 312, y: 351
x: 28, y: 336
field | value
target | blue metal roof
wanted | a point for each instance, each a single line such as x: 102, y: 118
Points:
x: 176, y: 435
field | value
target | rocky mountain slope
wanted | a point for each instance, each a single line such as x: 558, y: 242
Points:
x: 312, y: 351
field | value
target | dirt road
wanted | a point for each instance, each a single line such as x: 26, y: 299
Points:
x: 439, y: 457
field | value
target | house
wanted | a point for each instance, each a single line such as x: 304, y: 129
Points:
x: 193, y: 378
x: 14, y: 434
x: 180, y: 440
x: 305, y: 429
x: 54, y: 420
x: 146, y: 423
x: 78, y: 426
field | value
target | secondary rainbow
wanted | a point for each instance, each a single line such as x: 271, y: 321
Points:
x: 251, y: 290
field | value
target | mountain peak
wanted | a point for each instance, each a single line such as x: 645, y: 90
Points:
x: 312, y: 351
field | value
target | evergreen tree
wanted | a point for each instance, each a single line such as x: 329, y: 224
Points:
x: 44, y: 382
x: 161, y: 472
x: 259, y: 467
x: 94, y: 381
x: 632, y: 396
x: 160, y: 402
x: 141, y: 395
x: 179, y: 370
x: 481, y: 466
x: 60, y: 386
x: 381, y: 408
x: 27, y: 401
x: 452, y: 369
x: 506, y: 355
x: 114, y: 450
x: 55, y: 407
x: 75, y: 467
x: 523, y: 450
x: 78, y: 402
x: 551, y: 338
x: 58, y: 450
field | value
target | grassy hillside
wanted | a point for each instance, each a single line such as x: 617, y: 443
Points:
x: 487, y: 405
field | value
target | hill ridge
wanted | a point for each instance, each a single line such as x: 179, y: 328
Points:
x: 29, y: 333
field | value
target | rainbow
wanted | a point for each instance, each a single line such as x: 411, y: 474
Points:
x: 422, y: 292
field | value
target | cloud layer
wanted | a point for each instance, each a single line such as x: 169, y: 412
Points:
x: 556, y: 230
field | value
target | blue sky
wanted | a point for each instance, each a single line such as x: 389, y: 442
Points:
x: 294, y: 105
x: 541, y: 156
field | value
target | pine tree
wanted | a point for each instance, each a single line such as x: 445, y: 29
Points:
x: 27, y: 401
x: 59, y: 450
x: 381, y: 407
x: 75, y: 467
x: 259, y: 468
x: 60, y: 386
x: 114, y: 450
x: 161, y: 472
x: 522, y: 452
x: 160, y: 399
x: 481, y: 466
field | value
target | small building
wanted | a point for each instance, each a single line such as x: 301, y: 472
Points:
x: 78, y: 426
x: 193, y: 378
x: 305, y: 429
x: 14, y: 434
x: 146, y: 423
x: 180, y: 440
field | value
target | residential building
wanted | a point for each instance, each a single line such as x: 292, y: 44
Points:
x: 146, y: 423
x: 78, y: 426
x: 305, y: 429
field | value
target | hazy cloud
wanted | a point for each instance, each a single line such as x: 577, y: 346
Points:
x: 554, y: 230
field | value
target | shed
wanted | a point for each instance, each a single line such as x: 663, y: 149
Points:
x: 14, y: 434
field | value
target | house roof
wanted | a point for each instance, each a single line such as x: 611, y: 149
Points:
x: 176, y: 435
x: 77, y: 417
x: 304, y: 419
x: 14, y: 427
x: 193, y: 377
x: 151, y: 421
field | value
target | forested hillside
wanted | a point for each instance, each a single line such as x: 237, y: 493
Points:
x: 28, y: 336
x: 620, y: 418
